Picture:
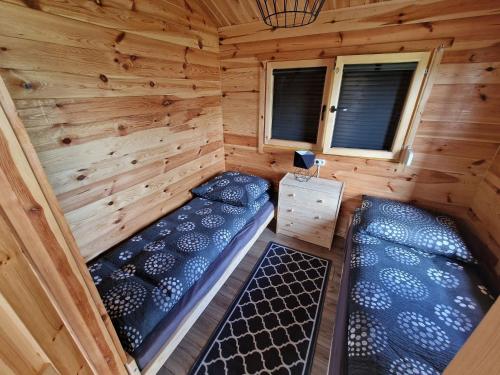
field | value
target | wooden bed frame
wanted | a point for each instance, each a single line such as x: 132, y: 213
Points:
x: 190, y: 318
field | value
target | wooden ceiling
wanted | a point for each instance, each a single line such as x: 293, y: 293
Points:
x: 235, y: 12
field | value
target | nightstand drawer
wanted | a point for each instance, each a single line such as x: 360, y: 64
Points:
x: 326, y: 220
x: 314, y: 200
x: 309, y: 232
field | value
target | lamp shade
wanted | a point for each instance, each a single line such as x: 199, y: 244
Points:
x: 303, y: 159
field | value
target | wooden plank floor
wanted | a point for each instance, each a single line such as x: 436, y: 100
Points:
x: 188, y: 350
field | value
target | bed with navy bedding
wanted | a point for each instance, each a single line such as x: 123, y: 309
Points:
x: 150, y: 281
x: 410, y: 292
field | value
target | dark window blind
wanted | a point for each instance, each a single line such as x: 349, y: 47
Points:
x: 297, y: 101
x: 372, y: 97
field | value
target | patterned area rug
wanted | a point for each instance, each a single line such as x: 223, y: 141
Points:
x: 272, y: 324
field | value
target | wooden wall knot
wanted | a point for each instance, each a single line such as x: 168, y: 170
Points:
x: 36, y: 209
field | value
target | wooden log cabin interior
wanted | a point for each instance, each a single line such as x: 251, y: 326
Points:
x: 249, y: 187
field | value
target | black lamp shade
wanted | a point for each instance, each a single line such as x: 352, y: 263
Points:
x: 303, y: 159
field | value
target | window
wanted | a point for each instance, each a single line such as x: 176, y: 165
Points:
x: 373, y: 100
x: 363, y: 109
x: 295, y: 105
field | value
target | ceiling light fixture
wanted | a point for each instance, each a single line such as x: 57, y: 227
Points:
x: 289, y: 13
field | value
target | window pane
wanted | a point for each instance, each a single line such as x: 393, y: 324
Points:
x: 372, y: 97
x: 297, y: 101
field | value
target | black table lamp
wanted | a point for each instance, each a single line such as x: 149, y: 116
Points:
x: 303, y: 161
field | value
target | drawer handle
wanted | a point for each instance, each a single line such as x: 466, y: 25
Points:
x: 320, y: 201
x: 291, y: 195
x: 316, y: 217
x: 289, y: 210
x: 289, y: 224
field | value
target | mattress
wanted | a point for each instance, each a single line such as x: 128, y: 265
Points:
x: 145, y: 353
x: 402, y: 310
x: 153, y: 277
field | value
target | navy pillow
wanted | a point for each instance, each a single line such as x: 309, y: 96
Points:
x: 412, y: 226
x: 236, y: 188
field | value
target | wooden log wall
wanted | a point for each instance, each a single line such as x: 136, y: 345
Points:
x: 122, y: 101
x: 459, y: 133
x: 484, y: 212
x: 49, y: 321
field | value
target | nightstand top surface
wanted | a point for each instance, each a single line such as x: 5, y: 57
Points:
x: 318, y: 184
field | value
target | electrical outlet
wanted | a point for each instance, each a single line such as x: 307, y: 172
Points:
x: 320, y: 162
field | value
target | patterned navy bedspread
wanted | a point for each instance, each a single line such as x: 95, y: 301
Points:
x: 409, y: 310
x: 141, y: 279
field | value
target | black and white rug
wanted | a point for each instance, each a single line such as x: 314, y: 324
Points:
x: 271, y: 325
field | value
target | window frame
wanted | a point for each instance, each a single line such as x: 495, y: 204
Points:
x: 407, y: 114
x: 268, y: 117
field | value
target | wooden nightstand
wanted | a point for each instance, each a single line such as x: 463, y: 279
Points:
x: 309, y: 210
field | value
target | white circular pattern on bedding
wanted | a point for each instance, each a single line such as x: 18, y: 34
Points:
x: 212, y: 221
x: 389, y: 229
x: 193, y: 241
x: 263, y: 185
x: 405, y: 212
x: 441, y: 239
x: 194, y: 268
x: 125, y: 255
x: 253, y: 190
x: 95, y: 267
x: 167, y: 293
x: 222, y: 182
x: 203, y: 211
x: 97, y: 279
x: 366, y: 336
x: 232, y: 193
x: 425, y: 254
x: 165, y: 232
x: 403, y: 284
x: 365, y: 239
x: 443, y: 278
x: 182, y: 217
x: 465, y: 302
x: 187, y: 207
x: 186, y: 226
x: 161, y: 224
x: 410, y: 366
x: 233, y: 210
x: 124, y: 298
x: 484, y: 290
x: 155, y: 246
x: 238, y: 224
x: 453, y: 318
x: 159, y: 263
x: 363, y: 256
x: 365, y: 204
x: 221, y: 238
x: 242, y: 179
x: 423, y: 331
x: 232, y: 173
x: 136, y: 238
x: 402, y: 255
x: 254, y: 207
x: 356, y: 218
x: 455, y: 265
x: 130, y: 336
x: 446, y: 221
x: 370, y: 295
x: 123, y: 273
